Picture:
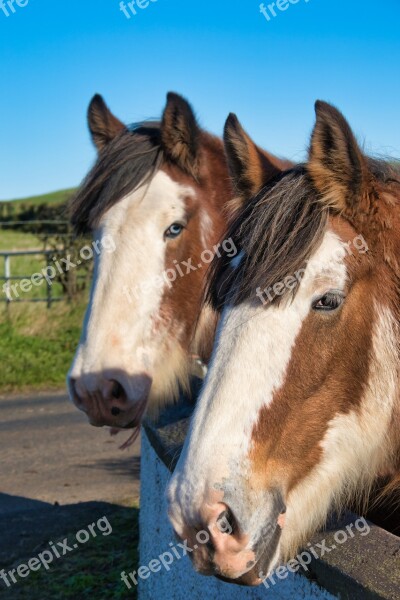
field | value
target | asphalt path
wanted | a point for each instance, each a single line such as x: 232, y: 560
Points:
x: 50, y: 454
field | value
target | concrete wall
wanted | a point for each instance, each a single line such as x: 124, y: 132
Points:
x: 181, y: 582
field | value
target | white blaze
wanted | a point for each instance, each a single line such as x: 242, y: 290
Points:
x: 125, y: 328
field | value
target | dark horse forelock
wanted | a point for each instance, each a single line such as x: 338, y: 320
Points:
x: 130, y: 159
x: 276, y: 231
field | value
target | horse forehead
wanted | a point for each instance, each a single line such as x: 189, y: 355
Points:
x: 160, y: 198
x: 330, y: 256
x: 165, y: 192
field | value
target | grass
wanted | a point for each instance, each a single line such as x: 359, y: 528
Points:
x: 18, y: 240
x: 57, y: 197
x: 37, y: 344
x: 93, y: 571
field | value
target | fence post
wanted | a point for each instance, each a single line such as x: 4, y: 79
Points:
x: 48, y: 282
x: 7, y: 277
x: 9, y: 289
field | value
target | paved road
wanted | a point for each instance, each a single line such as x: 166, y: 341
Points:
x: 49, y: 453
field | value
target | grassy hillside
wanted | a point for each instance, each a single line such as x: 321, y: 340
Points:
x: 18, y: 240
x: 50, y: 198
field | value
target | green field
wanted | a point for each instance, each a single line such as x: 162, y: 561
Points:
x: 51, y: 198
x: 14, y: 240
x: 26, y: 266
x: 17, y: 240
x: 37, y: 344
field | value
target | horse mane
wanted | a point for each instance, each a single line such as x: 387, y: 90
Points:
x: 385, y: 170
x: 276, y: 232
x: 128, y: 161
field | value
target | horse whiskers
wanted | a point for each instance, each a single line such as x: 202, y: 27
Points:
x: 131, y: 439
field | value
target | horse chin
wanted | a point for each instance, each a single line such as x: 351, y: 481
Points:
x: 130, y: 418
x: 254, y: 576
x: 267, y: 559
x: 249, y: 579
x: 134, y: 427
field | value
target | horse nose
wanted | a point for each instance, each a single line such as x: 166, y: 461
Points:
x: 225, y: 536
x: 219, y: 521
x: 221, y: 547
x: 111, y: 401
x: 113, y: 390
x: 75, y: 395
x: 108, y: 389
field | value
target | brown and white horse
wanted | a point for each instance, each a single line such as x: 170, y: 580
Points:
x: 300, y: 408
x: 162, y: 192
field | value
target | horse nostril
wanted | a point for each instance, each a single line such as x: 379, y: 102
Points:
x: 115, y: 411
x: 226, y: 522
x: 117, y: 390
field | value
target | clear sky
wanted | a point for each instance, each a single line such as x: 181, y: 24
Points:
x: 223, y: 55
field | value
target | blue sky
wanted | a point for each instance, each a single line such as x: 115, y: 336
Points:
x: 222, y: 55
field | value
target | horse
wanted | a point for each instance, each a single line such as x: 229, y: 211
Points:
x: 156, y: 202
x: 300, y: 408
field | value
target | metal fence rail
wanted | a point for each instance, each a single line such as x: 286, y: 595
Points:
x: 8, y: 277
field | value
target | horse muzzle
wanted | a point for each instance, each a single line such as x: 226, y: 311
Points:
x: 229, y: 545
x: 112, y: 399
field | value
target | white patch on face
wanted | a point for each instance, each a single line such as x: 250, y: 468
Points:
x: 125, y: 329
x: 251, y: 356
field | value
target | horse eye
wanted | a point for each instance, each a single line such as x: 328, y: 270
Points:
x: 330, y: 301
x: 173, y: 231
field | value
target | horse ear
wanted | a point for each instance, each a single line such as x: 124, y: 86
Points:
x: 103, y: 126
x: 336, y: 163
x: 180, y: 133
x: 250, y: 167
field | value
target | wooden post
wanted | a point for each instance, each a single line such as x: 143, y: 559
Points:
x: 7, y: 276
x: 48, y: 283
